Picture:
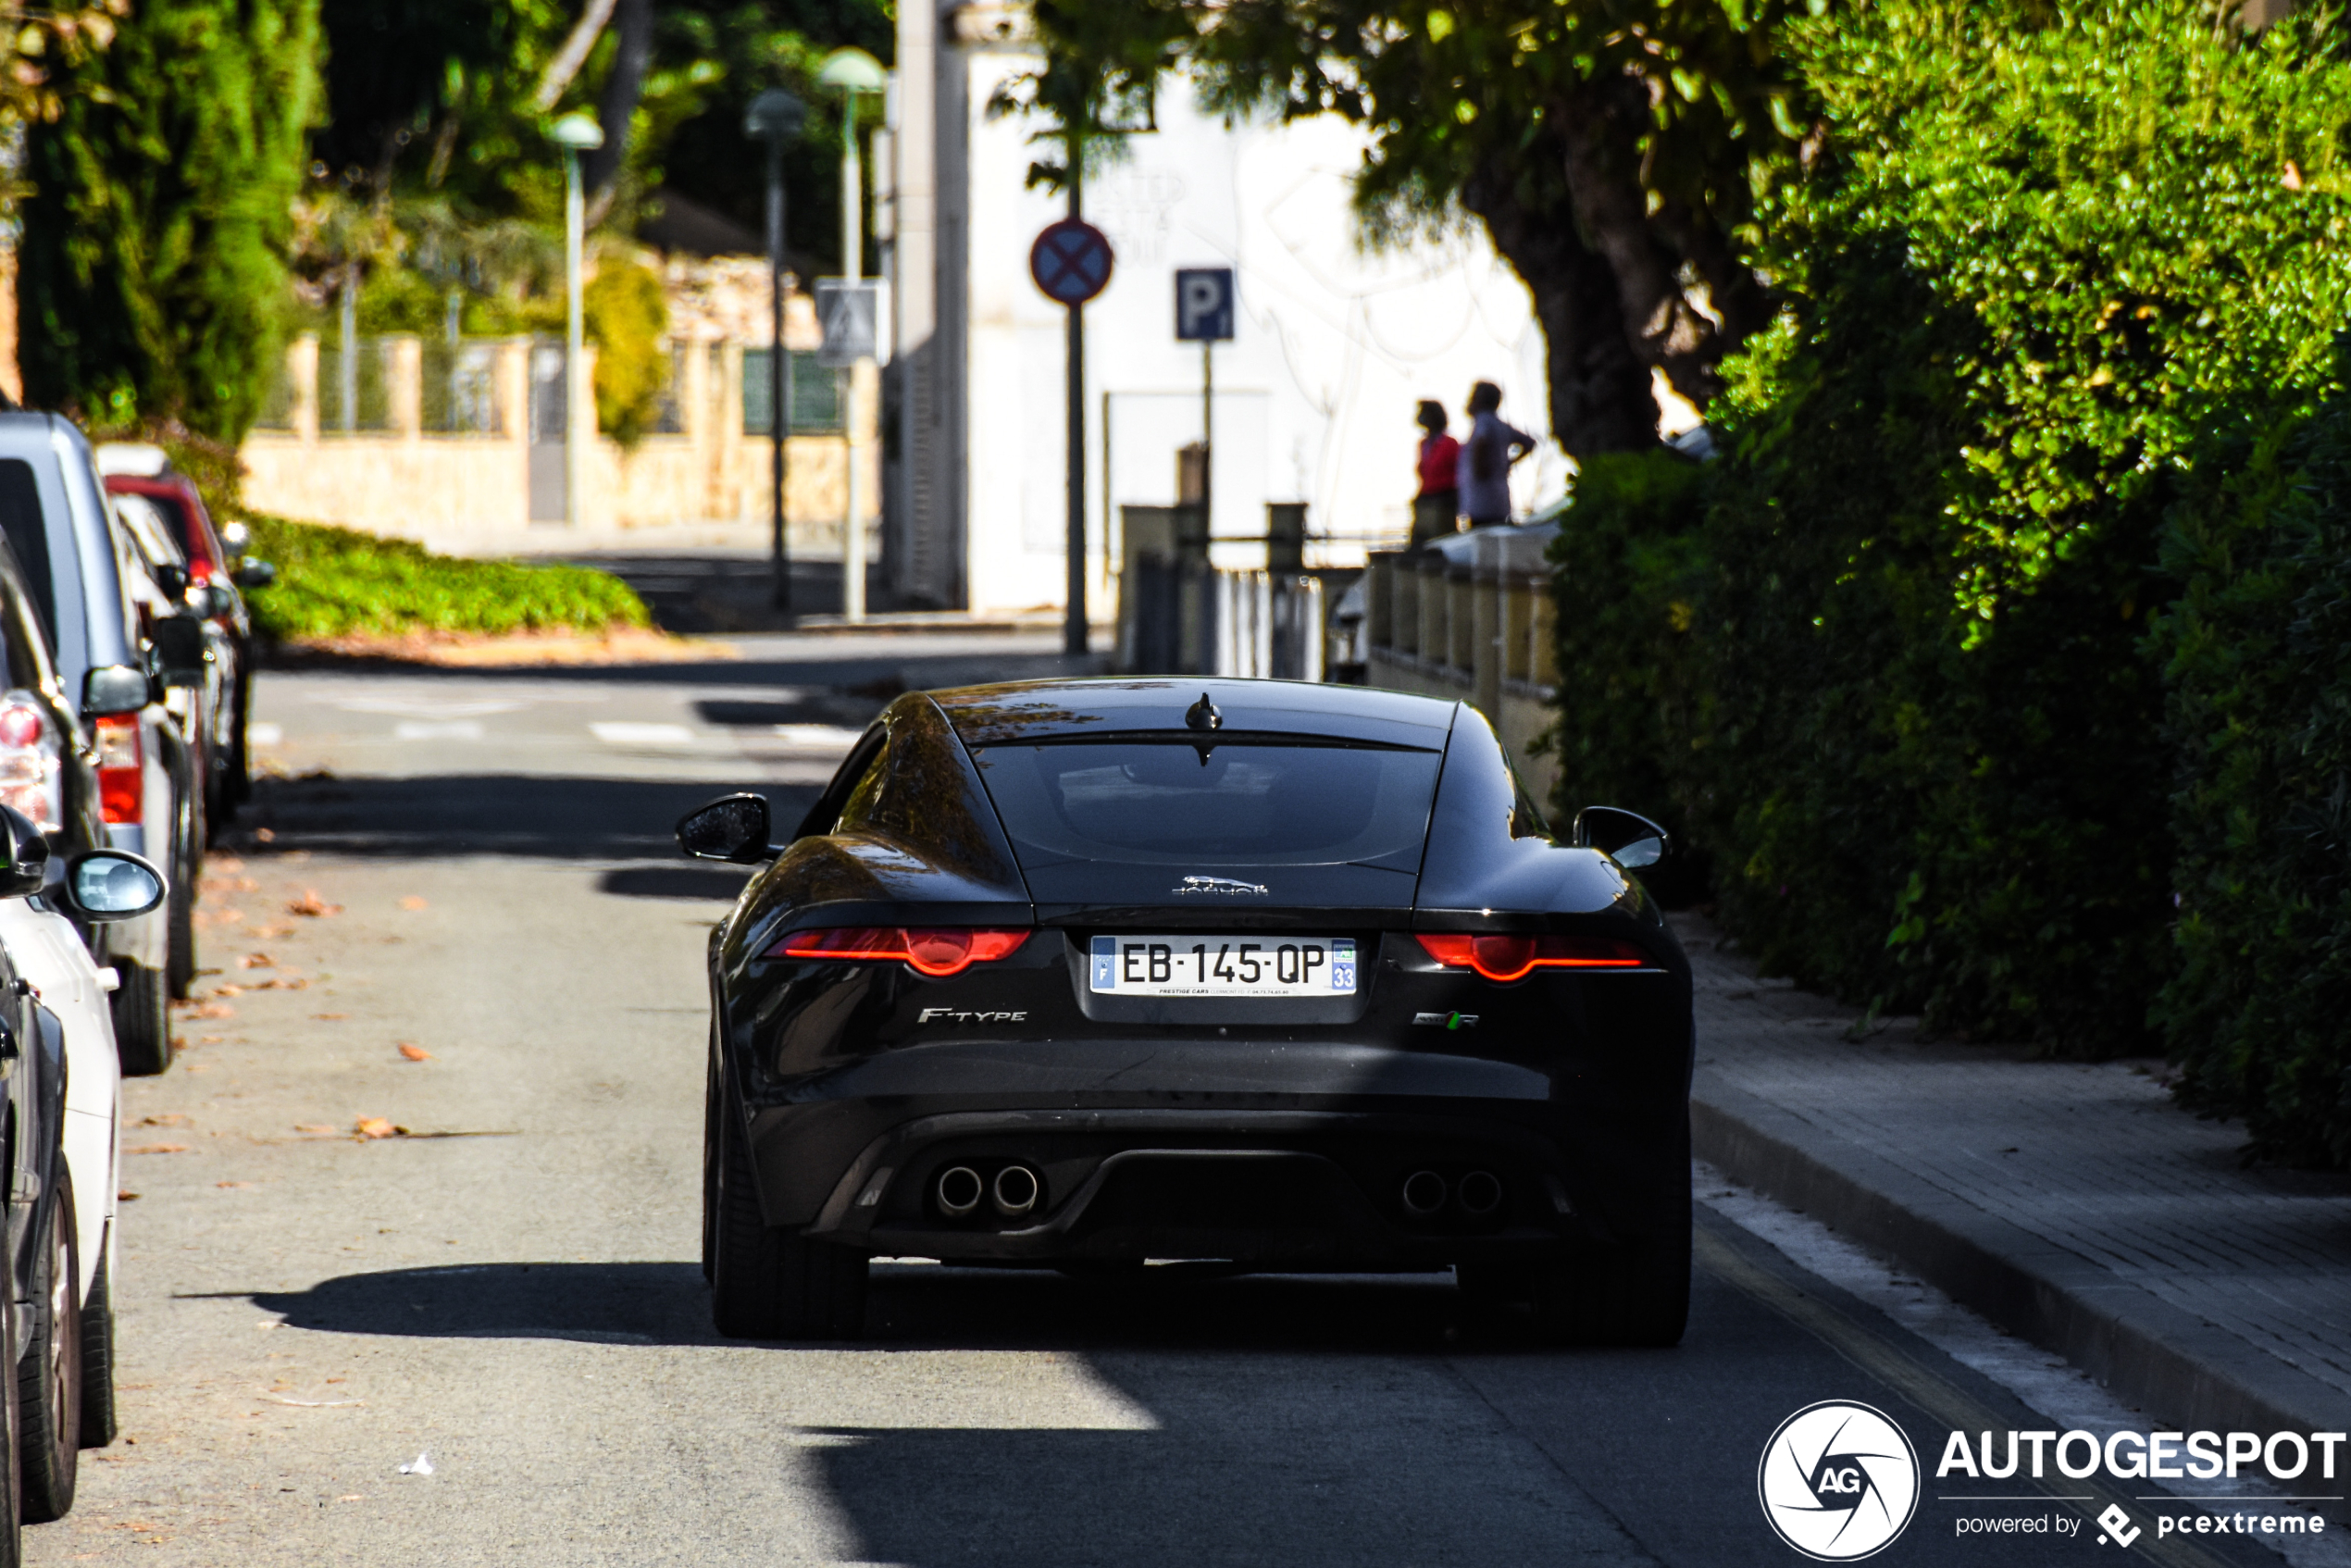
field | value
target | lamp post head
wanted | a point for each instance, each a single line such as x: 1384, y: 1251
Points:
x: 852, y: 70
x: 775, y: 117
x: 576, y: 133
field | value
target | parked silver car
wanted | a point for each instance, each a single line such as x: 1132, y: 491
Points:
x: 87, y: 577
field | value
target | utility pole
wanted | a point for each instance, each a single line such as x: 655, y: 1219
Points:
x: 775, y: 117
x: 853, y: 71
x: 576, y: 133
x: 1074, y: 622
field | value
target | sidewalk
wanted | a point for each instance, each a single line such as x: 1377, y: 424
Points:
x: 2074, y: 1205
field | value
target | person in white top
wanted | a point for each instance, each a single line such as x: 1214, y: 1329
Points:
x: 1486, y: 458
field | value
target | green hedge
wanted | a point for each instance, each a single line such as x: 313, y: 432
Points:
x: 2261, y: 713
x: 340, y: 582
x: 1886, y: 662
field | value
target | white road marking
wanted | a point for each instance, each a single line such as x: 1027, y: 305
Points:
x: 452, y: 729
x: 824, y: 737
x: 622, y: 733
x: 264, y: 734
x: 428, y: 708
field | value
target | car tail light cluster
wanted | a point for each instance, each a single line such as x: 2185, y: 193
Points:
x: 1515, y: 957
x: 121, y: 779
x: 935, y: 951
x: 31, y: 761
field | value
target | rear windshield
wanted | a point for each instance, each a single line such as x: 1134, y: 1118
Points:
x: 1179, y: 805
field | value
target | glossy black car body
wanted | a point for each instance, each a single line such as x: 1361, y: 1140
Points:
x: 1547, y: 1115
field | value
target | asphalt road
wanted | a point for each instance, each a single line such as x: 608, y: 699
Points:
x: 476, y: 870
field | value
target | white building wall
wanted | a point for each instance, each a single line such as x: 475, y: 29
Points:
x: 1314, y: 398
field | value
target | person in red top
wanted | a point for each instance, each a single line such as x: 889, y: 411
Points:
x: 1437, y: 509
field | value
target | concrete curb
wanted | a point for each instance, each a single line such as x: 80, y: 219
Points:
x: 2165, y: 1360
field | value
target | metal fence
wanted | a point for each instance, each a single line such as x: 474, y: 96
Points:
x: 1184, y: 618
x: 354, y: 389
x: 459, y: 395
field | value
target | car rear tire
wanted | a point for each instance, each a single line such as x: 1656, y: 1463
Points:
x: 49, y: 1373
x: 766, y: 1283
x: 181, y: 951
x: 11, y: 1452
x: 142, y: 1009
x: 98, y: 1422
x: 1637, y: 1294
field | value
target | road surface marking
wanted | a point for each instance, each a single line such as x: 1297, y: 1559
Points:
x: 448, y: 729
x: 621, y: 732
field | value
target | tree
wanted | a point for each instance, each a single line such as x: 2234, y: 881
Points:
x: 1613, y: 150
x: 151, y: 281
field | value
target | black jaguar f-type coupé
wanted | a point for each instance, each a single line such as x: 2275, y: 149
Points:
x: 1076, y: 973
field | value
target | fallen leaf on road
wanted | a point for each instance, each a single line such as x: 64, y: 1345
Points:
x: 375, y: 1126
x: 271, y: 933
x: 311, y: 904
x: 214, y: 1010
x: 414, y: 1052
x: 158, y: 1148
x: 318, y: 1404
x: 233, y: 1184
x: 264, y: 835
x: 125, y: 1198
x: 256, y: 961
x: 330, y: 1017
x: 165, y: 1119
x: 413, y: 902
x: 312, y: 1126
x: 210, y: 1039
x: 295, y: 983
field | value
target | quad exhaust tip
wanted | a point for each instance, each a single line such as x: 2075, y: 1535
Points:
x: 1016, y: 1191
x: 1481, y: 1194
x: 960, y: 1190
x: 1425, y: 1193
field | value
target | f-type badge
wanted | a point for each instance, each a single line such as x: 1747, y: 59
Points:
x: 1223, y: 886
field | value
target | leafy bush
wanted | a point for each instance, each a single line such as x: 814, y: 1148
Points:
x: 627, y: 314
x: 151, y: 279
x: 2046, y: 256
x: 2261, y: 712
x: 340, y: 582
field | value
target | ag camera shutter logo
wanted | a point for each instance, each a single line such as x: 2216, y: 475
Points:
x: 1839, y: 1481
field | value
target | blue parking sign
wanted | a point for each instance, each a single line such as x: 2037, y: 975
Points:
x: 1204, y: 305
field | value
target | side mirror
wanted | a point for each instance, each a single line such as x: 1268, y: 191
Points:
x: 173, y: 579
x: 27, y: 866
x: 115, y: 689
x: 181, y: 651
x: 733, y: 827
x: 255, y: 574
x: 1626, y: 837
x: 111, y: 885
x: 219, y: 599
x: 235, y: 538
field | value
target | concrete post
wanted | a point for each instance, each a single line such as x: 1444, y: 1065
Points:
x: 404, y: 385
x: 302, y: 369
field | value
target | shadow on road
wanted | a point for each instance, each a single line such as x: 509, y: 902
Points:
x: 674, y: 882
x: 493, y: 813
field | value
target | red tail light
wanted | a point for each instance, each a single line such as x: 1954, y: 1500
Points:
x: 933, y: 951
x: 121, y: 780
x: 1514, y: 958
x: 31, y: 765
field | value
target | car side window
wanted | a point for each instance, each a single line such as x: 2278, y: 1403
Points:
x: 863, y: 800
x: 21, y: 525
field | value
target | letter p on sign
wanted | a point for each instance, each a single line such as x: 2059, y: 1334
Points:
x: 1204, y: 305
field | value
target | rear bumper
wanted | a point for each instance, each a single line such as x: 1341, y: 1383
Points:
x: 1310, y: 1188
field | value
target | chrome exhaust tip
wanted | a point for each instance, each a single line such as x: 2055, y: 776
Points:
x: 1481, y: 1194
x: 1425, y: 1193
x: 959, y: 1190
x: 1016, y: 1191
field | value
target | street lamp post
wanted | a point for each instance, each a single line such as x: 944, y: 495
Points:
x: 775, y: 117
x: 575, y: 134
x: 852, y: 71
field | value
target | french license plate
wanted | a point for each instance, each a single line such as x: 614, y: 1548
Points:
x: 1272, y: 965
